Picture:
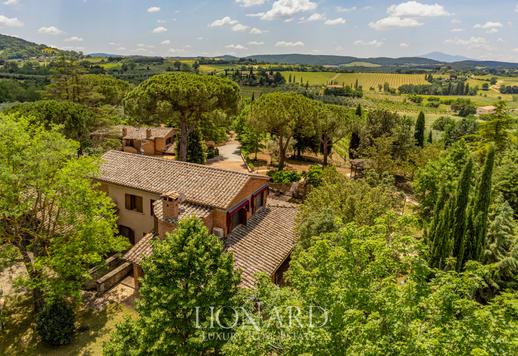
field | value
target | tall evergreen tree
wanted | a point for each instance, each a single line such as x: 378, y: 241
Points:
x: 430, y: 136
x: 359, y: 111
x: 419, y: 130
x: 481, y: 207
x: 459, y: 213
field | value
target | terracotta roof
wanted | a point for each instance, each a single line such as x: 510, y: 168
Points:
x: 186, y: 210
x: 264, y: 243
x: 142, y: 249
x: 261, y: 246
x: 139, y: 133
x: 202, y: 185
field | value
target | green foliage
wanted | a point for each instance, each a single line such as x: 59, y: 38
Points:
x: 339, y: 201
x: 51, y: 211
x: 77, y: 121
x: 15, y: 90
x: 332, y: 123
x: 443, y: 171
x: 281, y: 115
x: 183, y: 99
x: 188, y: 269
x: 314, y: 176
x: 380, y: 299
x: 448, y: 232
x: 464, y: 107
x: 419, y: 130
x: 196, y: 148
x: 284, y: 177
x: 465, y: 128
x: 55, y: 323
x: 506, y: 176
x: 497, y: 128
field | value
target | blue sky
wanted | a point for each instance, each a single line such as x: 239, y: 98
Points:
x: 473, y: 28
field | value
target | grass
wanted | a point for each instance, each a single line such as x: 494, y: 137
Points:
x: 19, y: 337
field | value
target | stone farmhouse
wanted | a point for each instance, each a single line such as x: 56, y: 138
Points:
x: 148, y: 141
x: 152, y: 194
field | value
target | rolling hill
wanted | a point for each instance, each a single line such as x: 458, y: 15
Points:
x: 17, y: 48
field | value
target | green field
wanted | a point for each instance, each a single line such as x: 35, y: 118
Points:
x: 367, y: 80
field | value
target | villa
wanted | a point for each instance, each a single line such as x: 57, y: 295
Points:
x: 152, y: 194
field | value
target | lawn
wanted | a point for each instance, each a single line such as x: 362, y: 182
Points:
x: 19, y: 338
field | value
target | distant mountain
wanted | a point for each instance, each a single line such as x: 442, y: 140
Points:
x: 17, y: 48
x: 310, y: 59
x: 104, y: 55
x: 444, y: 57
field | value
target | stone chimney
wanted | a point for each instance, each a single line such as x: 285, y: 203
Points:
x: 171, y: 205
x: 148, y: 133
x: 124, y: 131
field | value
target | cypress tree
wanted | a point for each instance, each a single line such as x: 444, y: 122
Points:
x: 459, y: 213
x: 481, y: 205
x: 430, y: 136
x: 359, y: 110
x: 419, y: 130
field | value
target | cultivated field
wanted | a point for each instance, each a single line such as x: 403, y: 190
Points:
x: 367, y: 80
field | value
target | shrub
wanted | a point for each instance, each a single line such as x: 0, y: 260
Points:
x: 55, y: 323
x: 284, y: 177
x: 314, y: 175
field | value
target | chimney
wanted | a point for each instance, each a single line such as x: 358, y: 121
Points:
x: 124, y: 131
x: 171, y: 205
x: 148, y: 133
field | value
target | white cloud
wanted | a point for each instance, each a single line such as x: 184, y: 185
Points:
x: 407, y: 14
x: 10, y: 2
x: 165, y: 42
x: 223, y: 22
x: 256, y: 31
x: 285, y: 9
x: 199, y: 38
x: 248, y: 3
x: 373, y: 43
x: 50, y: 30
x: 470, y: 43
x: 346, y: 9
x: 334, y: 22
x: 160, y: 29
x: 515, y: 49
x: 255, y: 43
x: 403, y: 45
x: 457, y: 30
x: 161, y: 21
x: 490, y: 26
x: 235, y: 46
x: 289, y: 44
x: 10, y: 21
x: 416, y: 9
x: 240, y: 27
x: 153, y: 9
x: 516, y: 8
x: 74, y: 39
x: 391, y: 22
x: 316, y: 17
x: 143, y: 45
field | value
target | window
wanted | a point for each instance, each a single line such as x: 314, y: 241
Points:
x: 258, y: 201
x: 134, y: 202
x: 152, y: 207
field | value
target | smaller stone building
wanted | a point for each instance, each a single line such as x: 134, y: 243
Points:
x: 148, y: 141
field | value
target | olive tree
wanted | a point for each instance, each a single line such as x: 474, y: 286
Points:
x: 183, y: 98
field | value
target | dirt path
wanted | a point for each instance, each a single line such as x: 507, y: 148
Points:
x: 229, y: 157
